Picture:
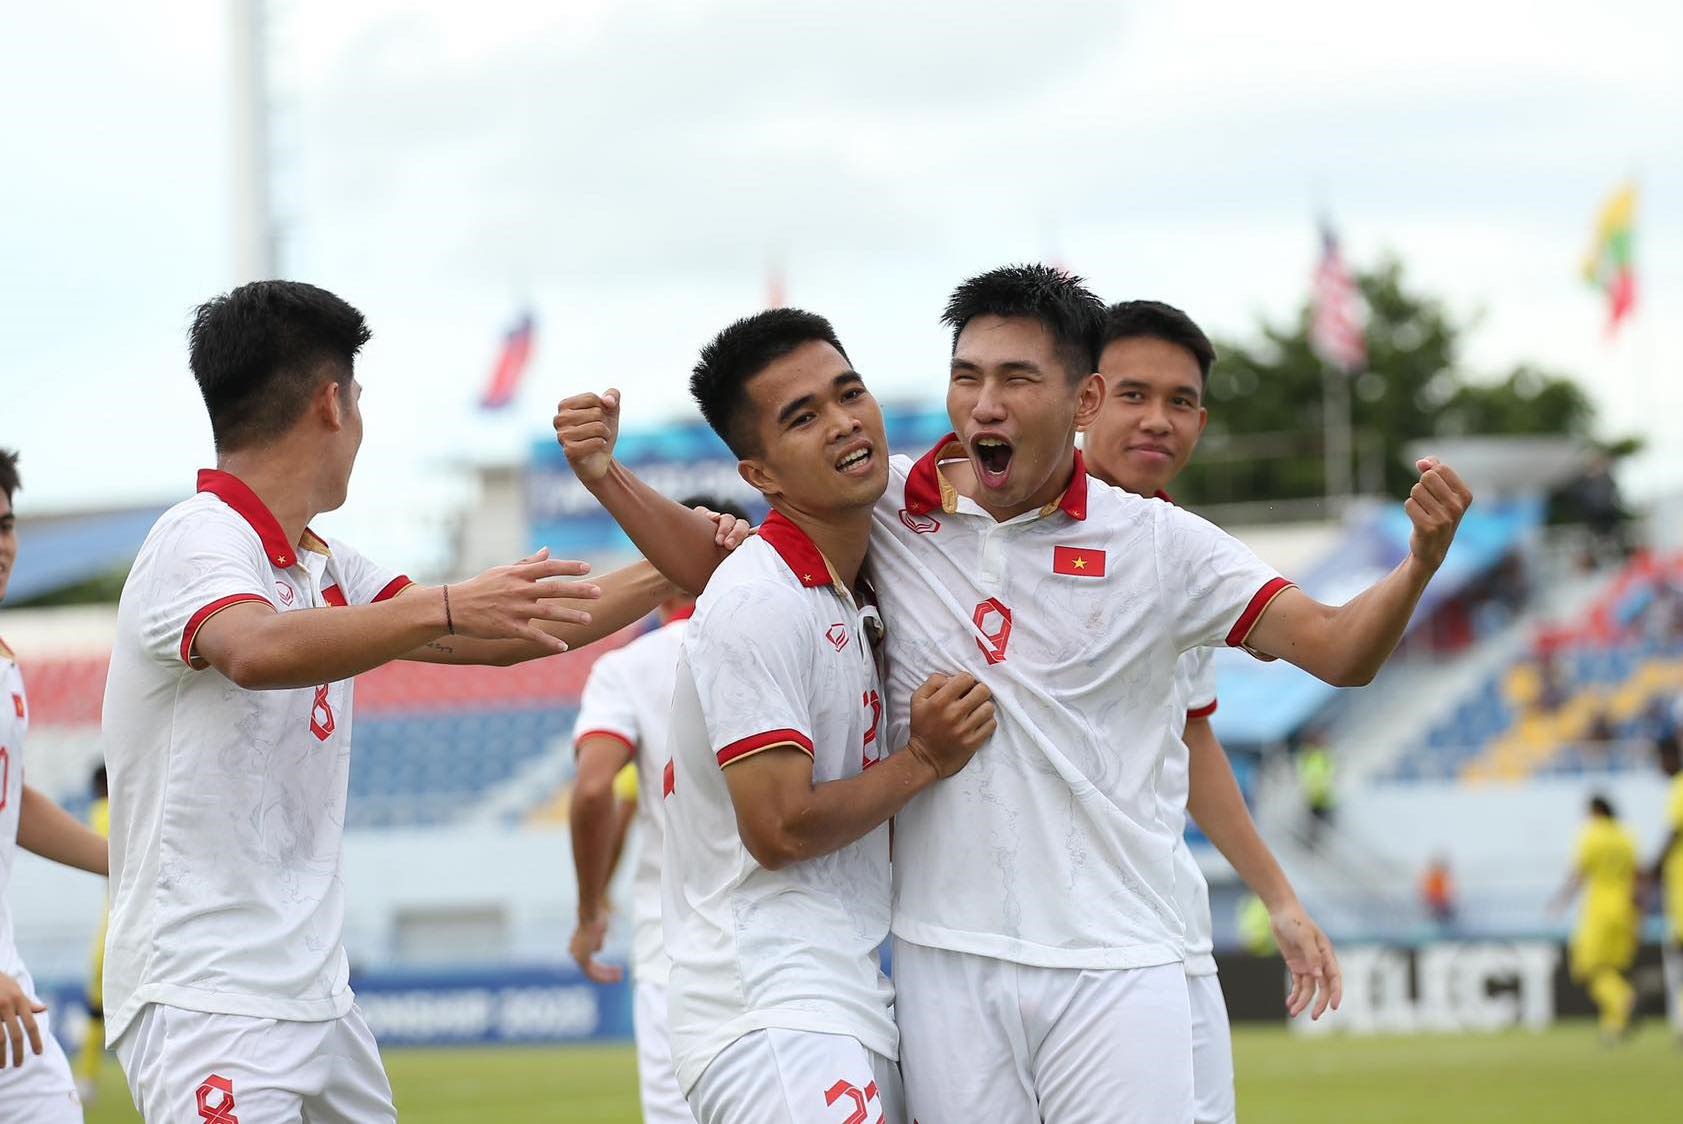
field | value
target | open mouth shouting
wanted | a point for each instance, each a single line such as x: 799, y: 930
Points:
x: 857, y: 459
x: 992, y: 455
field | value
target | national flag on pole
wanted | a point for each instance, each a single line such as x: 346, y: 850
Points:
x: 1336, y: 331
x: 511, y: 365
x: 1610, y: 264
x: 1078, y: 562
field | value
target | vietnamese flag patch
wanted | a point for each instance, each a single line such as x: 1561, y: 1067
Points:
x: 1078, y: 562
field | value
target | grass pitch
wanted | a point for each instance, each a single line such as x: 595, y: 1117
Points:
x: 1563, y: 1076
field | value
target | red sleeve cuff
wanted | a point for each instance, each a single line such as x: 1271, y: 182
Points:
x: 1253, y: 612
x: 198, y: 619
x: 747, y: 747
x: 1204, y: 711
x: 394, y: 587
x: 614, y: 735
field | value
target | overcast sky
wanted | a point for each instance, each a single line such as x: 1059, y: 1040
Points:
x: 631, y: 169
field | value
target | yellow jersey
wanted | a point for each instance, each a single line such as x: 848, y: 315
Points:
x: 1606, y: 860
x: 1673, y: 864
x: 625, y: 784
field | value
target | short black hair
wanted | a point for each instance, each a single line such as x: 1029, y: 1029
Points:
x: 1058, y: 299
x: 719, y: 383
x: 260, y: 351
x: 1128, y: 320
x: 715, y: 504
x: 10, y: 481
x: 1601, y: 806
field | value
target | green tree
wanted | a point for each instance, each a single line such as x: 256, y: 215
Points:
x: 1264, y: 441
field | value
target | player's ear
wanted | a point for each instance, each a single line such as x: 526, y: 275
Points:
x: 757, y: 476
x: 1089, y: 400
x: 329, y: 404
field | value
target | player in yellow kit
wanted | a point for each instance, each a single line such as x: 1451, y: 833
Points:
x: 1604, y: 943
x: 1667, y: 873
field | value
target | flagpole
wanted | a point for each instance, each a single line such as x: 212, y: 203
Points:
x: 1335, y: 423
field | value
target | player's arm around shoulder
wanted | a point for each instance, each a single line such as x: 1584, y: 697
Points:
x: 261, y: 649
x: 784, y: 817
x: 1348, y: 644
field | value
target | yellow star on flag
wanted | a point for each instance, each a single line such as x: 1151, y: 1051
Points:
x: 1080, y: 562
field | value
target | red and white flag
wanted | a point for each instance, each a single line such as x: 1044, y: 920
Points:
x: 1336, y: 329
x: 512, y: 360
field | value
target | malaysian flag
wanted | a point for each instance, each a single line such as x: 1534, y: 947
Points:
x: 1335, y: 329
x: 516, y: 353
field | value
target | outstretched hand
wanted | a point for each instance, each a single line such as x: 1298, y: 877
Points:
x: 504, y: 601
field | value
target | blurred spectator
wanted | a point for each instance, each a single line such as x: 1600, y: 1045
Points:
x: 1599, y: 505
x: 1437, y: 892
x: 1551, y: 694
x: 1315, y: 774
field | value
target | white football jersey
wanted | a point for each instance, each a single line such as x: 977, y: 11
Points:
x: 777, y: 654
x: 14, y: 724
x: 628, y: 697
x: 227, y: 805
x: 1052, y: 847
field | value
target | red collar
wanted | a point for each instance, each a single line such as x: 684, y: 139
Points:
x: 234, y: 492
x: 798, y: 551
x: 923, y: 482
x: 1160, y: 494
x: 683, y: 614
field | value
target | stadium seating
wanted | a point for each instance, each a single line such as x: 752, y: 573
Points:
x: 1590, y: 695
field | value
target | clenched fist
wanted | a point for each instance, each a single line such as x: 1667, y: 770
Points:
x: 1435, y: 506
x: 586, y: 427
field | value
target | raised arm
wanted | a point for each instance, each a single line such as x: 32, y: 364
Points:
x: 684, y: 545
x: 47, y: 830
x: 260, y: 649
x: 1347, y: 645
x: 783, y: 817
x: 1218, y: 805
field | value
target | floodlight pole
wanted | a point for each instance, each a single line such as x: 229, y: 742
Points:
x: 254, y: 228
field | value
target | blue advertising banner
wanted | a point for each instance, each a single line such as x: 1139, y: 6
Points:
x: 678, y: 460
x: 467, y: 1007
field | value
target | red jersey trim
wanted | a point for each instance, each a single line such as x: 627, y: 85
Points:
x: 333, y: 595
x: 198, y: 619
x: 683, y: 614
x: 797, y: 550
x: 234, y: 492
x: 1204, y: 711
x: 668, y: 780
x: 923, y: 482
x: 613, y: 735
x: 771, y: 739
x: 1253, y: 612
x: 392, y: 588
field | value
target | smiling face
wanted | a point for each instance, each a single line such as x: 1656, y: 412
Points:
x: 1015, y: 405
x: 819, y: 442
x: 1152, y: 417
x: 8, y: 542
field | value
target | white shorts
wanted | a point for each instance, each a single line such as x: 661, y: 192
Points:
x: 987, y: 1039
x: 190, y: 1067
x: 798, y: 1077
x: 41, y: 1090
x: 1212, y: 1052
x: 663, y: 1101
